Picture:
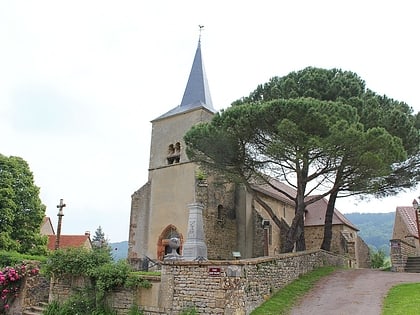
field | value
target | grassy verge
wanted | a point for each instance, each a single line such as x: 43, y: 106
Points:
x: 402, y: 299
x: 283, y: 300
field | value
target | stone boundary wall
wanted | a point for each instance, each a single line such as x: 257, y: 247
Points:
x: 236, y: 287
x: 400, y: 250
x: 211, y: 287
x: 34, y: 290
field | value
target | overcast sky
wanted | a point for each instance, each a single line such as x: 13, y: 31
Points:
x: 80, y: 81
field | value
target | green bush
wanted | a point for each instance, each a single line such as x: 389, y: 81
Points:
x: 377, y: 259
x: 12, y: 258
x: 105, y: 275
x: 80, y: 303
x: 75, y: 261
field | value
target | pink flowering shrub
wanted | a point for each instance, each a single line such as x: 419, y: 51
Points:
x: 10, y: 283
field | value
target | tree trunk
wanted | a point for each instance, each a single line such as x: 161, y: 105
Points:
x: 296, y: 232
x: 326, y: 243
x: 300, y: 242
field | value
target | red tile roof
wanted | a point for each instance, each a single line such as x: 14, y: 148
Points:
x: 69, y: 241
x: 408, y: 215
x: 274, y: 193
x: 315, y: 215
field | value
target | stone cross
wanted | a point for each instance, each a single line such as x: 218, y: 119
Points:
x: 60, y: 217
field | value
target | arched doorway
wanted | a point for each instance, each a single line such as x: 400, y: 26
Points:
x: 163, y: 241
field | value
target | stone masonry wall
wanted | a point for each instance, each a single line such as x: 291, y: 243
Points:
x: 237, y: 287
x: 212, y: 287
x: 363, y: 253
x: 400, y: 250
x: 218, y: 217
x: 34, y: 290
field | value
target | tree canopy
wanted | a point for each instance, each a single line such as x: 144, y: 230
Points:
x: 21, y: 210
x: 318, y: 130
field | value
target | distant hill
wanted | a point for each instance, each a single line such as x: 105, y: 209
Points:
x: 375, y: 228
x: 119, y: 250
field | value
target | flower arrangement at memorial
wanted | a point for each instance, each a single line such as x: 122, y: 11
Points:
x: 11, y: 279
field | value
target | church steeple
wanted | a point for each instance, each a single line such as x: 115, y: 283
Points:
x: 197, y: 92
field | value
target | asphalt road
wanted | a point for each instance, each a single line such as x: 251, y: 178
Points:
x: 351, y: 292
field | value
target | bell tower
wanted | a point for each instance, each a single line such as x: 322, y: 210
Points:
x: 162, y: 201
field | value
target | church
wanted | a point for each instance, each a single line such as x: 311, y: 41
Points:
x: 235, y: 225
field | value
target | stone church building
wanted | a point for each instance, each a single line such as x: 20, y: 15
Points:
x: 233, y: 222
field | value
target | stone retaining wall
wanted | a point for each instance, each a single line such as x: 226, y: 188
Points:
x: 34, y: 290
x: 400, y: 250
x: 212, y: 287
x: 236, y: 287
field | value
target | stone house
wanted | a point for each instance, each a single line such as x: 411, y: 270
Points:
x: 233, y: 221
x: 405, y: 226
x: 405, y: 247
x: 345, y: 239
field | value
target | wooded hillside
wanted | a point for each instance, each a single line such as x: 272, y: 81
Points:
x: 375, y: 228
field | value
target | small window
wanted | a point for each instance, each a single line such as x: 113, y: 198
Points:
x: 219, y: 212
x: 174, y: 153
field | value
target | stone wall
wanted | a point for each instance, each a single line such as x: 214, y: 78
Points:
x: 219, y: 217
x: 61, y: 288
x: 212, y: 287
x: 34, y: 290
x: 236, y: 287
x: 363, y: 253
x: 400, y: 250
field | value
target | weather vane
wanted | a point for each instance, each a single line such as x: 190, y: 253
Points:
x: 200, y: 29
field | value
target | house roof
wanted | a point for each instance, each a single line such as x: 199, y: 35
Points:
x: 315, y: 215
x: 273, y: 193
x: 197, y: 92
x: 67, y: 241
x: 408, y: 215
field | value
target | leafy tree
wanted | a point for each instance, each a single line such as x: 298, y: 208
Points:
x: 21, y: 210
x: 377, y: 258
x: 389, y: 171
x: 309, y: 143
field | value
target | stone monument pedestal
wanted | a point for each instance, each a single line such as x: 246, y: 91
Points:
x: 195, y: 248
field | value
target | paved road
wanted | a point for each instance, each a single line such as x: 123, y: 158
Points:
x: 351, y: 292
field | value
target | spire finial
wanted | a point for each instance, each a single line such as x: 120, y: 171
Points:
x: 200, y: 29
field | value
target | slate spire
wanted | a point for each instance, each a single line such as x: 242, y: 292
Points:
x: 197, y: 92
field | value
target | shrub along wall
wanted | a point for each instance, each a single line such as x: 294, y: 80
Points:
x: 215, y: 287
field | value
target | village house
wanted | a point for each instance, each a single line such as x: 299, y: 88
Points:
x: 66, y: 241
x: 405, y: 247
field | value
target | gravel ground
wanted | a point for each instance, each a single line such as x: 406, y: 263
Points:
x: 351, y: 292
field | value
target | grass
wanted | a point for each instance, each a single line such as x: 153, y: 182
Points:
x: 283, y: 300
x: 402, y: 299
